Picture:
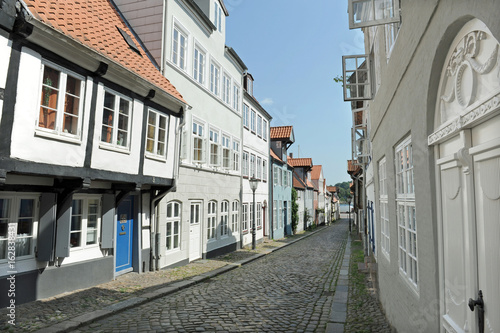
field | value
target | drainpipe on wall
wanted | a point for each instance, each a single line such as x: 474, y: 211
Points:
x: 155, y: 234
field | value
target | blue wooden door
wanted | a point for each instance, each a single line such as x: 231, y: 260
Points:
x: 124, y: 235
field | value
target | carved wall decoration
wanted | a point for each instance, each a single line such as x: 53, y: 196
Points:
x: 460, y: 83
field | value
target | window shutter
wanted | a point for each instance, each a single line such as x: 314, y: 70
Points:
x: 63, y: 229
x: 108, y: 221
x: 46, y: 228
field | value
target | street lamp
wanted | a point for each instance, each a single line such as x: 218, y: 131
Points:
x: 254, y: 182
x: 349, y: 201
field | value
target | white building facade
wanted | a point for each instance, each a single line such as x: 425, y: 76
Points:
x: 187, y: 38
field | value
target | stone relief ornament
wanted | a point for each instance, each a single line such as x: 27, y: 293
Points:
x: 462, y: 73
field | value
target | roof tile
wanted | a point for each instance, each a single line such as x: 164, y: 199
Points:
x: 281, y: 132
x: 300, y: 162
x: 94, y: 24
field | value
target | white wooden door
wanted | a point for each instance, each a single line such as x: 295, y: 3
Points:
x: 195, y: 231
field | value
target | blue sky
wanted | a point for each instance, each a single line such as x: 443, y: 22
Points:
x: 293, y: 49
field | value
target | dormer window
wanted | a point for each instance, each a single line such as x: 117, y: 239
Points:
x: 249, y: 84
x: 217, y: 16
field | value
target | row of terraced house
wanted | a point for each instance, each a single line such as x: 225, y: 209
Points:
x: 130, y: 138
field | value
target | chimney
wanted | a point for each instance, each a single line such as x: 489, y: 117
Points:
x: 291, y: 155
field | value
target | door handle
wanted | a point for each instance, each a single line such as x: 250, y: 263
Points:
x: 480, y: 309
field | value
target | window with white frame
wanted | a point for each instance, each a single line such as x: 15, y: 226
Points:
x: 275, y: 214
x: 236, y: 98
x: 356, y: 77
x: 264, y: 170
x: 253, y: 121
x: 245, y: 164
x: 214, y: 78
x: 259, y: 168
x: 217, y: 16
x: 214, y: 147
x: 280, y: 176
x: 264, y: 129
x: 280, y: 214
x: 246, y: 116
x: 252, y: 166
x: 244, y: 217
x: 179, y: 48
x: 195, y: 213
x: 284, y: 178
x: 18, y: 223
x: 116, y: 119
x: 211, y: 220
x: 391, y: 33
x: 275, y: 175
x: 224, y: 217
x: 365, y: 13
x: 61, y: 101
x: 259, y: 126
x: 85, y: 222
x: 406, y: 212
x: 385, y: 240
x: 199, y: 65
x: 156, y: 141
x: 249, y: 85
x: 236, y: 155
x: 226, y: 152
x: 235, y: 210
x: 259, y: 215
x: 173, y: 226
x: 289, y: 213
x: 226, y: 88
x: 198, y: 142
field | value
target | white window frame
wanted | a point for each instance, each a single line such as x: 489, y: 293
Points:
x: 235, y: 212
x: 172, y: 220
x: 214, y: 140
x: 253, y: 120
x: 226, y: 151
x: 246, y: 116
x: 116, y: 121
x: 217, y: 16
x: 264, y: 129
x: 224, y: 218
x: 385, y: 239
x: 259, y: 168
x: 252, y: 173
x: 275, y: 175
x: 245, y: 164
x: 244, y: 217
x: 259, y: 215
x: 357, y: 67
x: 406, y: 213
x: 236, y: 156
x: 264, y: 170
x: 84, y: 228
x: 236, y: 98
x: 59, y: 132
x: 155, y: 153
x: 275, y: 214
x: 391, y: 34
x: 12, y: 221
x: 249, y: 86
x: 179, y: 50
x: 212, y: 220
x: 226, y: 88
x: 215, y: 70
x: 371, y: 12
x: 199, y: 64
x: 259, y: 126
x: 198, y: 147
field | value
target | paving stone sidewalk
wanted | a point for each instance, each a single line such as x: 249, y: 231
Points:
x: 129, y: 288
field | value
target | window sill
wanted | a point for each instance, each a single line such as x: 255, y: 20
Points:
x: 156, y: 157
x: 168, y: 252
x: 49, y: 134
x: 117, y: 149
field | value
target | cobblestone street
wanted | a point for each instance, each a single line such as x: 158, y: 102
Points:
x: 289, y: 290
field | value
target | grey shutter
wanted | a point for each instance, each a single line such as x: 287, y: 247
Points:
x: 108, y: 221
x: 63, y: 229
x: 46, y: 227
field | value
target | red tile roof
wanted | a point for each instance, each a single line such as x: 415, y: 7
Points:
x: 300, y: 162
x: 281, y: 132
x: 309, y: 184
x: 316, y: 171
x: 352, y: 168
x: 332, y: 189
x: 94, y: 23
